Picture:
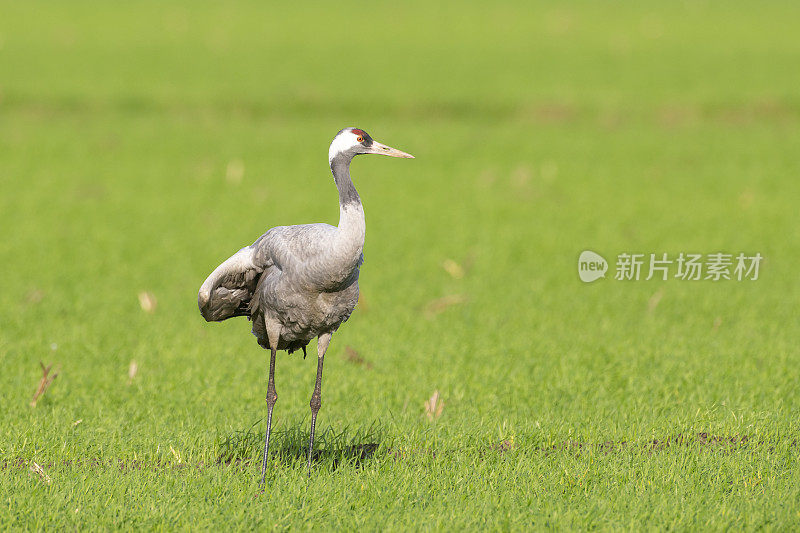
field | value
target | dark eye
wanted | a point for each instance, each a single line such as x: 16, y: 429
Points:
x: 360, y: 139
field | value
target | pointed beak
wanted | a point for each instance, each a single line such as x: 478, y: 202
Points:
x: 382, y: 149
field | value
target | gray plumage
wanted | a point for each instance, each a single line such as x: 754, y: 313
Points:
x: 303, y: 278
x: 299, y: 282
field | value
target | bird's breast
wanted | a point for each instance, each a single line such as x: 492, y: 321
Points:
x: 305, y: 314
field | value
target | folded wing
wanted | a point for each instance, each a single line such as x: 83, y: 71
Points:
x: 228, y: 290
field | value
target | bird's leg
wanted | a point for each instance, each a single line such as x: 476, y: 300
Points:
x: 316, y: 398
x: 272, y: 397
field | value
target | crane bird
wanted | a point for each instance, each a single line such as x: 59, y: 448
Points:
x: 299, y: 282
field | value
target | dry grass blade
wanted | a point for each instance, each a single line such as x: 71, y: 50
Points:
x: 133, y: 369
x: 652, y: 303
x: 176, y: 454
x: 434, y: 406
x: 38, y: 470
x: 147, y: 301
x: 235, y: 171
x: 34, y: 296
x: 521, y: 177
x: 353, y: 356
x: 44, y: 383
x: 455, y: 270
x: 506, y: 445
x: 746, y: 198
x: 469, y: 261
x: 435, y: 307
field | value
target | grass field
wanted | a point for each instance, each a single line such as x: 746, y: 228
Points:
x: 141, y: 144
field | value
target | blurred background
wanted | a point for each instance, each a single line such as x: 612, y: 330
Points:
x: 143, y: 143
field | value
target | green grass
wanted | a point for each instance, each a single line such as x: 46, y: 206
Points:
x: 539, y: 132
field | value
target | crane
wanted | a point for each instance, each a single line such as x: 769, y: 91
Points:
x: 299, y: 282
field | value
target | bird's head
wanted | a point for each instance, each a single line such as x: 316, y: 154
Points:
x: 351, y: 142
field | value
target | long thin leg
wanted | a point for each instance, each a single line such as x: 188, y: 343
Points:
x: 272, y: 397
x: 316, y: 398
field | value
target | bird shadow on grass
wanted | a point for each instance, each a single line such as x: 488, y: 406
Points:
x: 290, y: 446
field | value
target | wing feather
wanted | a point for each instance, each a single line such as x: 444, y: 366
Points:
x: 228, y: 290
x: 232, y: 289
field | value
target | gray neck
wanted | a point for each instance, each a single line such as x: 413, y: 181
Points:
x: 352, y: 226
x: 340, y: 166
